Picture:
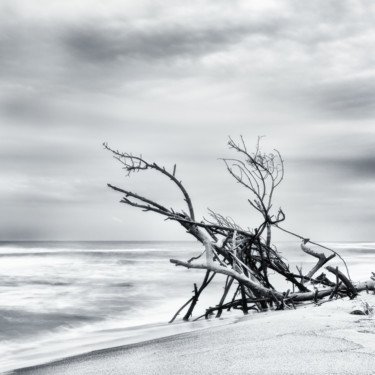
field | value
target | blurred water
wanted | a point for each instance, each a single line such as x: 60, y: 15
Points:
x: 62, y: 298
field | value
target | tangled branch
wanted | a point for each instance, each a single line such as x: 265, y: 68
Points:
x: 246, y: 257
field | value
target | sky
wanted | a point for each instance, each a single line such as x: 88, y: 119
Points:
x: 171, y: 80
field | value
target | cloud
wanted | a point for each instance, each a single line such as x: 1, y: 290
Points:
x: 285, y: 50
x: 344, y: 170
x: 350, y: 99
x: 172, y: 80
x: 94, y: 42
x: 51, y: 191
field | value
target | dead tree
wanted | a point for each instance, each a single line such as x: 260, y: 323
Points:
x: 245, y: 256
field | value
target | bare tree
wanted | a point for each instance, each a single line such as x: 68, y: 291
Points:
x: 243, y: 255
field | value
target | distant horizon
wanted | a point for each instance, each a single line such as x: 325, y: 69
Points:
x: 173, y: 241
x: 97, y: 241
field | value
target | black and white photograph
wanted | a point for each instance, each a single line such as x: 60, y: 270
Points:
x: 187, y: 187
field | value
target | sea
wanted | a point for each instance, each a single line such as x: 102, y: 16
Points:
x: 59, y: 299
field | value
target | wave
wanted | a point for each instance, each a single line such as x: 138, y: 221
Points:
x: 16, y: 324
x: 52, y: 289
x: 123, y: 285
x: 21, y: 251
x: 22, y: 282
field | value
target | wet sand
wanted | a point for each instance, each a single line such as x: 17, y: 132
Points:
x: 324, y: 339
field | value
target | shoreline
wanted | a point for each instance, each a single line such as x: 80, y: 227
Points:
x: 106, y: 340
x: 323, y: 339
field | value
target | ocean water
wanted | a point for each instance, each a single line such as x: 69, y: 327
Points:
x: 65, y: 298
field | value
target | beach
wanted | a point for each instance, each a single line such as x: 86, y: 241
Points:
x: 313, y: 339
x: 64, y: 300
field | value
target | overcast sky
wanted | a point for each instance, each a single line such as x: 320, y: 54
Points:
x: 172, y: 80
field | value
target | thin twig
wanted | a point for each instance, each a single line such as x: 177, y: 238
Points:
x: 317, y: 244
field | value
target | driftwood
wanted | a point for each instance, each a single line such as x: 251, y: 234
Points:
x: 322, y: 259
x: 245, y: 256
x: 193, y: 300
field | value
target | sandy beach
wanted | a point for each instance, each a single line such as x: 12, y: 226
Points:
x: 312, y: 339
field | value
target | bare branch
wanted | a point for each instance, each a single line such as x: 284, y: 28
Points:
x: 317, y: 244
x: 226, y: 271
x: 321, y: 256
x: 135, y: 164
x: 260, y: 173
x: 242, y: 255
x: 143, y: 199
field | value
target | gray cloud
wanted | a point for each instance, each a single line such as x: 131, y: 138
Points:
x: 21, y: 107
x: 172, y: 80
x: 291, y: 53
x: 351, y: 169
x: 41, y: 151
x: 354, y: 98
x: 93, y: 42
x: 51, y: 191
x: 364, y: 167
x: 102, y: 52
